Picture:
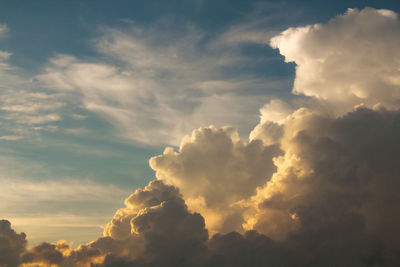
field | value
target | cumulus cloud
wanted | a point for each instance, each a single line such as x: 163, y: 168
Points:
x: 12, y: 245
x: 152, y: 195
x: 159, y: 222
x: 273, y: 116
x: 352, y: 59
x: 215, y: 170
x: 250, y: 249
x: 309, y: 188
x: 162, y: 232
x: 332, y: 200
x: 45, y: 253
x: 334, y: 185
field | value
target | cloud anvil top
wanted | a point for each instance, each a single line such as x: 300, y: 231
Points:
x: 272, y: 135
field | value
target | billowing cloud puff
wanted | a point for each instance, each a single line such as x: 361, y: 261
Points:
x: 352, y: 59
x: 46, y: 253
x: 12, y: 245
x: 215, y: 170
x: 157, y: 220
x: 151, y: 196
x: 162, y: 233
x: 336, y: 185
x: 167, y: 234
x: 273, y: 116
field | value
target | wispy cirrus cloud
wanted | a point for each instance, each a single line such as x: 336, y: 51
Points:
x: 26, y: 109
x: 155, y: 85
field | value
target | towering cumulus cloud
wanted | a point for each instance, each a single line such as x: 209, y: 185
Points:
x: 350, y: 60
x: 316, y: 185
x: 215, y: 172
x: 334, y: 197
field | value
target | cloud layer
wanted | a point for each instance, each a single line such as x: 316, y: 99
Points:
x: 312, y: 187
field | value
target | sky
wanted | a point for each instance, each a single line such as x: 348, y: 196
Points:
x: 136, y: 130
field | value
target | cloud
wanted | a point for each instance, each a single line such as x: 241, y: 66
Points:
x: 263, y: 22
x: 215, y: 170
x: 156, y: 86
x: 334, y: 181
x: 25, y: 108
x: 273, y: 116
x: 45, y: 253
x: 161, y: 232
x: 157, y: 220
x: 250, y: 249
x: 310, y: 188
x: 152, y: 195
x: 349, y: 60
x: 332, y: 200
x: 12, y: 245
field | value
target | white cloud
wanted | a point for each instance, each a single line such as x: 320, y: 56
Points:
x: 351, y: 59
x: 273, y: 117
x: 276, y: 111
x: 215, y: 170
